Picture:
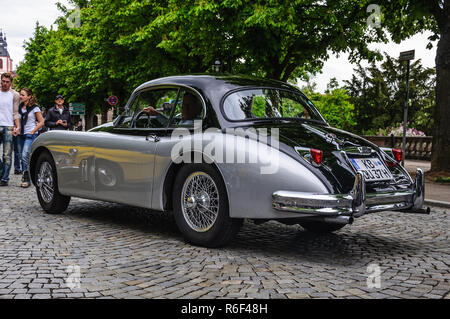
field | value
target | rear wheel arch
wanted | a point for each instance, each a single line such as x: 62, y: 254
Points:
x: 171, y: 175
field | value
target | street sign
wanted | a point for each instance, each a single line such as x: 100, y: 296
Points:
x: 77, y: 108
x: 406, y: 55
x: 113, y: 100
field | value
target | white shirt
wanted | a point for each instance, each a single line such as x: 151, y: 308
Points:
x: 6, y: 108
x: 31, y: 122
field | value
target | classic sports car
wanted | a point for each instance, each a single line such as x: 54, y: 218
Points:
x: 215, y: 150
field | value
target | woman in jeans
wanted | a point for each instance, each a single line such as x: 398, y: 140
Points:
x: 30, y: 123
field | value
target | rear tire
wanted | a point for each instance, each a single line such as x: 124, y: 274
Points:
x: 51, y: 200
x: 320, y: 227
x: 200, y: 205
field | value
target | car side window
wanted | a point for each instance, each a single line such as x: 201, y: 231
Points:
x: 188, y: 109
x: 293, y: 108
x: 152, y: 108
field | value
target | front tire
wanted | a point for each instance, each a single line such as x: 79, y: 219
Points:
x: 200, y: 205
x: 51, y: 200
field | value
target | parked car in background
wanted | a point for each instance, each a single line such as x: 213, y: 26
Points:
x: 216, y: 150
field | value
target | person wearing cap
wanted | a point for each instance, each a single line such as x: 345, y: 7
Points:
x: 58, y: 117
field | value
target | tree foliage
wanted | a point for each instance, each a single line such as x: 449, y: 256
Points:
x: 335, y: 105
x: 379, y: 92
x: 404, y: 18
x: 122, y: 43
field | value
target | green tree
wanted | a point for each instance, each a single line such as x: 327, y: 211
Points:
x: 335, y: 106
x: 404, y: 18
x: 276, y: 39
x: 378, y: 93
x: 32, y: 72
x: 122, y: 43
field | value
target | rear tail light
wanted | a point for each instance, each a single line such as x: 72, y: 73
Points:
x: 316, y: 156
x: 398, y: 154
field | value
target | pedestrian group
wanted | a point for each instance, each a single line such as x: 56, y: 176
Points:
x: 21, y: 121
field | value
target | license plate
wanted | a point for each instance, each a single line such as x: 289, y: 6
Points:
x: 372, y: 168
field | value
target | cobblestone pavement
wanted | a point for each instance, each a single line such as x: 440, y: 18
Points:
x: 124, y: 252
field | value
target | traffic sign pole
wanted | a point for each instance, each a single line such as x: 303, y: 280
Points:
x: 405, y: 116
x: 406, y: 56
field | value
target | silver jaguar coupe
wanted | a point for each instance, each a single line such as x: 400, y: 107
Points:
x: 215, y: 150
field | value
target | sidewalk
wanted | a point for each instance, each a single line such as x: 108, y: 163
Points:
x: 436, y: 194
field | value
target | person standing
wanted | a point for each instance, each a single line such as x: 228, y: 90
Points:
x: 30, y: 114
x: 79, y: 126
x: 9, y: 124
x: 58, y: 117
x: 17, y: 167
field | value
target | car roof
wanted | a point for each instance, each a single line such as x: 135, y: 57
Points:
x: 206, y: 82
x: 214, y: 87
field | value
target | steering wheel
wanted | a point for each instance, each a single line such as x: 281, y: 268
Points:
x: 152, y: 120
x: 138, y: 116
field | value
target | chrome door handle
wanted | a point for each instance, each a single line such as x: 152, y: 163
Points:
x: 73, y: 152
x: 153, y: 137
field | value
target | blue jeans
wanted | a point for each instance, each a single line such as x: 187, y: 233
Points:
x: 16, y: 155
x: 6, y: 138
x: 24, y: 145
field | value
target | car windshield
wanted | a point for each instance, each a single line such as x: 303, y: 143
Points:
x: 269, y: 103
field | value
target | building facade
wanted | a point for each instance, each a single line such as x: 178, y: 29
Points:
x: 6, y: 63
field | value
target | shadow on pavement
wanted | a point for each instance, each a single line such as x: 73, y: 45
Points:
x: 347, y: 247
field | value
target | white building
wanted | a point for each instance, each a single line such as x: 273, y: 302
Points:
x: 6, y: 63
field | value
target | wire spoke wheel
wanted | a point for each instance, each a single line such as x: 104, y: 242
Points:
x: 45, y: 182
x: 200, y: 206
x: 200, y: 201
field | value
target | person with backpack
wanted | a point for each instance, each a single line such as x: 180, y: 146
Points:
x: 31, y: 121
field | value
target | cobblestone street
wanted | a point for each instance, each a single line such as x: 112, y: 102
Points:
x: 123, y: 252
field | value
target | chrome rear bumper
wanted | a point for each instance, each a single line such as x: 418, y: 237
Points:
x: 354, y: 204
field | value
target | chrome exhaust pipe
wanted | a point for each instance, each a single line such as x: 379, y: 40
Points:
x: 425, y: 211
x: 343, y: 220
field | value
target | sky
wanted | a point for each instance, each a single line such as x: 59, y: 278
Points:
x: 19, y: 19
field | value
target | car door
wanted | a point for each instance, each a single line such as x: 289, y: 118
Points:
x: 74, y: 158
x: 125, y: 158
x: 186, y: 119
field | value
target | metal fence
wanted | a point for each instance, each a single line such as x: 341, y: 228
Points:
x: 417, y: 147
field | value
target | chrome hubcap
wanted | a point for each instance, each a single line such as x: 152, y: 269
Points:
x: 200, y: 201
x: 45, y: 182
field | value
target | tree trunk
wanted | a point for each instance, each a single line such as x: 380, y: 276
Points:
x: 89, y: 118
x: 440, y: 155
x: 104, y: 114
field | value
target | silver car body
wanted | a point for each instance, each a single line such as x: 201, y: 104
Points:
x: 136, y: 170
